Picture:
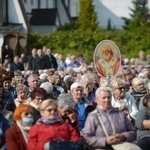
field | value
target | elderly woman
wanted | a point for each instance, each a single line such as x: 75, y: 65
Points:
x: 50, y: 127
x: 119, y: 128
x: 37, y: 96
x: 121, y: 96
x: 59, y: 84
x: 19, y: 80
x: 89, y: 92
x: 128, y: 76
x: 139, y: 91
x: 17, y: 135
x: 22, y: 95
x: 143, y: 124
x: 66, y: 111
x: 48, y: 87
x: 82, y: 105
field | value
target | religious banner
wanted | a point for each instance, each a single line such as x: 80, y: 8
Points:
x: 107, y: 58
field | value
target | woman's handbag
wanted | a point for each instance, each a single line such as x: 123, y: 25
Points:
x: 64, y: 145
x: 125, y: 146
x: 120, y: 146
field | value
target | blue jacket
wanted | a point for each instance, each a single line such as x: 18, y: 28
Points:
x: 7, y: 101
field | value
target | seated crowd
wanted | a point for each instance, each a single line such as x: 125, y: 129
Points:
x: 65, y: 104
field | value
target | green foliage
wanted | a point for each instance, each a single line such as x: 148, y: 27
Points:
x: 84, y: 42
x: 87, y: 16
x: 69, y: 26
x: 140, y: 15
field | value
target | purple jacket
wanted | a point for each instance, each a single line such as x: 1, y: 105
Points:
x: 94, y: 134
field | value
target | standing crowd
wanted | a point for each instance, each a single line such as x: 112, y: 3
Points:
x: 63, y: 99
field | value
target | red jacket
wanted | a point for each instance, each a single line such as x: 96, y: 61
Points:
x: 15, y: 139
x: 41, y: 133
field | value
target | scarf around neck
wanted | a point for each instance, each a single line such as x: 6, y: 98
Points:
x: 51, y: 122
x: 24, y: 130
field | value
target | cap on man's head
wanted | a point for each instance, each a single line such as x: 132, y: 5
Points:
x: 76, y: 85
x: 6, y: 78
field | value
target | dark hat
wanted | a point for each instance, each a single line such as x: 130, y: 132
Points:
x: 6, y: 78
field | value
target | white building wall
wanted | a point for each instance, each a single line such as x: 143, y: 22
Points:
x: 113, y: 9
x: 62, y: 14
x: 44, y: 4
x: 15, y: 15
x: 74, y: 8
x: 105, y: 9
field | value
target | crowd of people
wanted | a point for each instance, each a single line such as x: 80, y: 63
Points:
x: 60, y: 99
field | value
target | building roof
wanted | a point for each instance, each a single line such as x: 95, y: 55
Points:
x: 43, y: 16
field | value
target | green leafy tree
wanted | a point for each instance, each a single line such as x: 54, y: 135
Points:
x: 140, y: 15
x: 87, y: 17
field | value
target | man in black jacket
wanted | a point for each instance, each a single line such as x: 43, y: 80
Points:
x: 32, y: 62
x: 16, y: 65
x: 50, y: 59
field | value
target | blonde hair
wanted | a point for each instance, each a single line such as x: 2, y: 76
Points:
x: 47, y: 103
x: 116, y: 82
x: 136, y: 80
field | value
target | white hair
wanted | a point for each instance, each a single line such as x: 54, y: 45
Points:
x: 65, y: 100
x: 47, y: 86
x: 102, y: 88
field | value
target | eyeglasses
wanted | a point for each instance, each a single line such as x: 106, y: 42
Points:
x: 28, y: 113
x: 51, y: 109
x: 120, y: 88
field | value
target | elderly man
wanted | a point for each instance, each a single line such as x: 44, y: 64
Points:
x: 32, y: 82
x: 119, y: 128
x: 82, y: 105
x: 16, y: 65
x: 121, y: 97
x: 50, y: 59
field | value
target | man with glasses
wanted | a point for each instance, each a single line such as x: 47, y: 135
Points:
x: 121, y: 97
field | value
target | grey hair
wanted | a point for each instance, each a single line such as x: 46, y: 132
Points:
x: 85, y: 77
x: 100, y: 89
x: 116, y: 81
x: 65, y: 100
x: 136, y: 80
x: 30, y: 76
x: 22, y: 87
x: 47, y: 86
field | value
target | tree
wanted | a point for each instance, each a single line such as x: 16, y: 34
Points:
x: 87, y: 17
x: 140, y: 15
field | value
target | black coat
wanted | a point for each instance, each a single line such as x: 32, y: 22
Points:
x: 51, y: 62
x: 32, y: 63
x: 14, y: 67
x: 41, y: 63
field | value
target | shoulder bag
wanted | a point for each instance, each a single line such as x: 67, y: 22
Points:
x: 120, y: 146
